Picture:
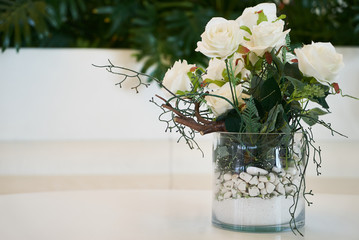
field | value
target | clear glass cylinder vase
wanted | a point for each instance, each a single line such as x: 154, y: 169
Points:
x: 258, y: 182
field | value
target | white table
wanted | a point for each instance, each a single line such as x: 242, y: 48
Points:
x: 153, y: 214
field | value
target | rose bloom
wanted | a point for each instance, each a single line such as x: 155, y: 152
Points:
x: 266, y: 36
x: 219, y: 105
x: 176, y: 78
x: 220, y: 38
x: 249, y: 16
x: 217, y: 66
x: 319, y: 60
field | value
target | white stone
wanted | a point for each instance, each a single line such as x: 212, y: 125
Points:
x: 224, y: 190
x: 245, y: 176
x: 289, y: 189
x: 288, y: 176
x: 227, y: 176
x: 270, y: 187
x: 263, y: 179
x: 261, y: 185
x: 275, y: 193
x: 228, y: 184
x: 237, y: 181
x: 256, y: 171
x: 254, y: 180
x: 292, y: 171
x: 272, y: 177
x: 276, y: 182
x: 263, y: 191
x: 235, y: 176
x: 280, y: 189
x: 276, y: 170
x: 242, y: 186
x: 253, y: 191
x: 227, y: 195
x: 285, y: 181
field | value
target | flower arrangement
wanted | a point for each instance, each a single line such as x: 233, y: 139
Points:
x: 255, y: 83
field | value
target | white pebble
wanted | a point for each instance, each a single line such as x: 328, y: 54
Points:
x: 285, y: 181
x: 256, y: 171
x: 276, y: 182
x: 263, y: 191
x: 292, y: 171
x: 276, y: 170
x: 227, y: 195
x: 289, y: 189
x: 280, y: 189
x: 245, y: 176
x: 227, y: 176
x: 254, y: 180
x: 261, y: 185
x: 289, y: 176
x: 253, y: 191
x: 263, y: 179
x: 228, y: 184
x: 270, y: 187
x: 272, y: 177
x: 242, y: 186
x: 234, y: 176
x: 224, y: 190
x: 237, y: 181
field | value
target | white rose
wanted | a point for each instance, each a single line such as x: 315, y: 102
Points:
x: 319, y: 60
x: 266, y: 36
x: 249, y: 16
x: 215, y: 69
x: 217, y: 66
x: 219, y: 105
x: 176, y: 78
x: 220, y: 38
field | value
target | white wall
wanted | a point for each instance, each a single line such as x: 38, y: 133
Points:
x: 56, y: 94
x: 53, y: 99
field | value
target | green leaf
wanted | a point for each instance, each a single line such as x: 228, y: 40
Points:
x: 283, y: 16
x: 269, y: 94
x: 245, y: 28
x: 217, y: 82
x: 292, y: 70
x: 250, y: 117
x: 232, y: 120
x: 311, y: 116
x: 261, y: 17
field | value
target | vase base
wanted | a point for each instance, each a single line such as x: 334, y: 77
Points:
x: 258, y: 229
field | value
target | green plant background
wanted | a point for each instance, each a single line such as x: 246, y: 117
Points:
x: 163, y: 31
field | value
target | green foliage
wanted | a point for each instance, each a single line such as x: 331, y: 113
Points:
x: 250, y: 117
x: 162, y: 30
x: 18, y: 19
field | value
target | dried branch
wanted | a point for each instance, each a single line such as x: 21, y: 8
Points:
x: 201, y: 125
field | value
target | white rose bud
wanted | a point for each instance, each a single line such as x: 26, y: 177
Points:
x: 221, y: 38
x: 219, y: 105
x: 266, y: 36
x: 176, y: 78
x: 319, y: 60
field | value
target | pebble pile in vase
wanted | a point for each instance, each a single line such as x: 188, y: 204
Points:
x: 257, y: 182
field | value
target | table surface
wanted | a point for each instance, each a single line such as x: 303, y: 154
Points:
x: 153, y: 214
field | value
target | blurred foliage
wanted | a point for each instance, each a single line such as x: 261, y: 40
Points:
x: 162, y: 30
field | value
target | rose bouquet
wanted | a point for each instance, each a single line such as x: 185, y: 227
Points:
x: 256, y: 85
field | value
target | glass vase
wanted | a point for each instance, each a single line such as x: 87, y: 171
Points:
x: 258, y: 182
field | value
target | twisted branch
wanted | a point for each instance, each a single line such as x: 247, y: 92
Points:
x: 202, y: 125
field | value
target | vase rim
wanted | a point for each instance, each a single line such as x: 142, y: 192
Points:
x: 240, y: 133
